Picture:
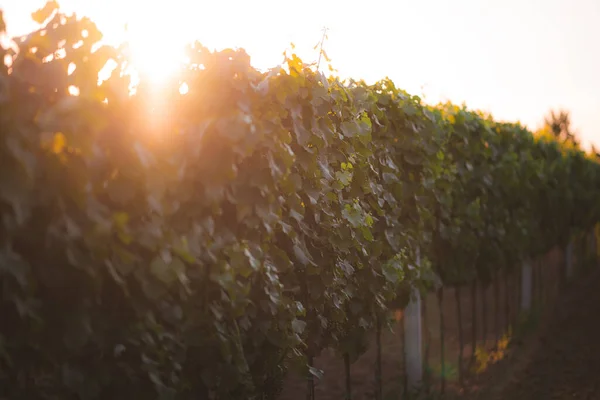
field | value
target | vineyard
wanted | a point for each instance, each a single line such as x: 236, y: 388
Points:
x: 213, y: 243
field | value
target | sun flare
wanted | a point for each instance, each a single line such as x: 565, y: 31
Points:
x: 155, y: 54
x: 150, y: 63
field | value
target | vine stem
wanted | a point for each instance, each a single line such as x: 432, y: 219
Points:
x: 310, y: 392
x: 461, y: 344
x: 310, y: 395
x: 541, y: 283
x: 427, y: 343
x: 496, y: 308
x: 378, y: 367
x: 404, y: 364
x: 440, y: 296
x: 484, y: 316
x: 321, y: 43
x: 506, y: 299
x: 518, y: 284
x: 348, y: 377
x: 473, y: 320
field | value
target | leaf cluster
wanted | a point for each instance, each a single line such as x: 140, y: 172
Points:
x: 200, y: 248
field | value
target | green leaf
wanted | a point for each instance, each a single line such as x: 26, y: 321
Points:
x: 165, y: 271
x: 392, y: 271
x: 344, y: 177
x: 298, y: 326
x: 350, y: 128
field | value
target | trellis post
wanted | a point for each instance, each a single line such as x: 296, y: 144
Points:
x: 569, y: 260
x: 526, y: 285
x: 413, y: 342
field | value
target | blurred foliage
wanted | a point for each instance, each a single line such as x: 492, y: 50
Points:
x: 558, y: 123
x: 201, y: 248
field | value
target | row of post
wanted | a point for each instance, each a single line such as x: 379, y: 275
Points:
x: 413, y: 334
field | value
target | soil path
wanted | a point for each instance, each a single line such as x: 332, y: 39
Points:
x: 563, y: 360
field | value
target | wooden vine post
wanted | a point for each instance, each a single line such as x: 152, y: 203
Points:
x: 594, y: 240
x: 569, y: 265
x: 594, y: 247
x: 348, y: 377
x: 461, y: 343
x: 526, y: 286
x: 440, y: 298
x: 484, y: 318
x: 413, y: 346
x: 473, y: 320
x: 378, y: 367
x: 506, y: 277
x: 496, y: 307
x: 427, y: 345
x: 413, y: 338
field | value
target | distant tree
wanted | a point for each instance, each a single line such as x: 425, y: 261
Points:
x: 595, y: 152
x: 559, y: 124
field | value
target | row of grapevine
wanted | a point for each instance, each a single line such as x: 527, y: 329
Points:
x: 198, y: 245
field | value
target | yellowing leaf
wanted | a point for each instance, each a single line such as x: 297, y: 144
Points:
x: 59, y: 143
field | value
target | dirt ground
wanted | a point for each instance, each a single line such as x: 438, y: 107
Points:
x: 560, y: 361
x: 501, y: 316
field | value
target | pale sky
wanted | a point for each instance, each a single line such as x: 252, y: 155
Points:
x: 514, y: 58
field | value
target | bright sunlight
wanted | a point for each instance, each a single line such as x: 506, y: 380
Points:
x: 155, y: 52
x: 415, y: 42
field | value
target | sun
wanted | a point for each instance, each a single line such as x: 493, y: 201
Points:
x: 154, y: 61
x: 156, y: 55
